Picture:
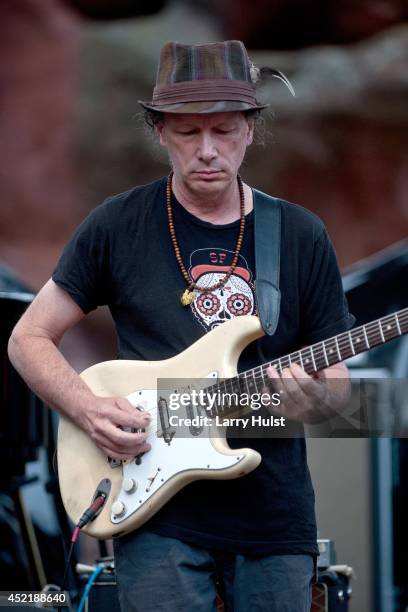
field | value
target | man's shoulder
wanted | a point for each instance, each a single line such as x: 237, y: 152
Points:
x: 296, y: 218
x: 132, y: 198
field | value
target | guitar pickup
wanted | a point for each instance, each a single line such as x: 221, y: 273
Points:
x: 166, y: 432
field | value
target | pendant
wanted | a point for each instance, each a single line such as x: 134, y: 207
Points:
x: 187, y: 297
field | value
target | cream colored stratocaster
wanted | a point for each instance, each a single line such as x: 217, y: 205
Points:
x: 137, y: 489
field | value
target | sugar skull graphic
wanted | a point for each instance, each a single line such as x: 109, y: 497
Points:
x: 234, y: 299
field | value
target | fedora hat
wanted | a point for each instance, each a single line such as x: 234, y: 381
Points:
x: 208, y: 78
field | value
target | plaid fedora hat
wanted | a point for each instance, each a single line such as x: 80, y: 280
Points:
x: 208, y: 78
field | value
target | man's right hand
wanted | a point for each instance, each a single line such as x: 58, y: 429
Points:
x: 53, y: 379
x: 105, y: 422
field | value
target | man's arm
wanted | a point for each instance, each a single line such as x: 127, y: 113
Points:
x: 33, y: 350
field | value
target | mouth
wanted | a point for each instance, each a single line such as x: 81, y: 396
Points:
x: 207, y: 174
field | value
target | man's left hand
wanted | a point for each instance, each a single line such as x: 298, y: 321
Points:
x: 311, y: 399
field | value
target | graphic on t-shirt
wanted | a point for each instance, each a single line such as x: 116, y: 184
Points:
x: 234, y: 299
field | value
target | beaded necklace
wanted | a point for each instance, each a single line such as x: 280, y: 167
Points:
x: 188, y: 295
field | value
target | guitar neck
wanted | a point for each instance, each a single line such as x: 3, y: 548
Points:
x: 347, y: 344
x: 323, y: 354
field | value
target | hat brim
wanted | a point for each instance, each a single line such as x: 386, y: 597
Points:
x: 212, y: 106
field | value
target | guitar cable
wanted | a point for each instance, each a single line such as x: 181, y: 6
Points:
x: 90, y: 514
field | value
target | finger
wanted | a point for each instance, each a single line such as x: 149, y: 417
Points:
x: 297, y: 397
x: 273, y: 373
x: 299, y: 372
x: 273, y: 384
x: 126, y: 415
x: 123, y: 404
x: 295, y: 402
x: 289, y: 410
x: 291, y: 388
x: 123, y: 439
x: 125, y: 445
x: 119, y: 454
x: 123, y: 442
x: 273, y: 380
x: 302, y: 379
x: 113, y: 453
x: 311, y: 387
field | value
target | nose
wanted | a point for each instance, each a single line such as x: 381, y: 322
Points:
x: 207, y: 150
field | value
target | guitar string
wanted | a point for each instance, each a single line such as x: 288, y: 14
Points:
x: 346, y: 342
x: 372, y: 327
x: 295, y: 355
x: 343, y: 344
x: 321, y: 359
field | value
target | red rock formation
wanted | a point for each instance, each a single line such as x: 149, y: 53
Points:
x: 39, y: 43
x: 292, y: 24
x: 70, y: 90
x: 119, y: 9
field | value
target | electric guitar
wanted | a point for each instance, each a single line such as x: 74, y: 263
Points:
x: 137, y: 489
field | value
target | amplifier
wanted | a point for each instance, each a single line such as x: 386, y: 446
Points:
x: 327, y: 554
x: 331, y: 593
x: 103, y: 596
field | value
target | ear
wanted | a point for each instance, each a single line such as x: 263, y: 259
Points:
x: 161, y: 133
x: 250, y: 132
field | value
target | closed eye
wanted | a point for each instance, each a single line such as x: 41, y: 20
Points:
x: 187, y: 132
x: 195, y: 131
x: 224, y: 131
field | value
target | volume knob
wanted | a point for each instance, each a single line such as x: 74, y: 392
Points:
x: 118, y: 508
x: 129, y: 485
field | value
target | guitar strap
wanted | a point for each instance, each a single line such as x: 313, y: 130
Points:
x: 267, y: 211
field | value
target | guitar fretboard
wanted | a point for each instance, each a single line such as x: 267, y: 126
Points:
x: 317, y: 356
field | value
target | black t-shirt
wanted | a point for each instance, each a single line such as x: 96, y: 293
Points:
x: 122, y: 256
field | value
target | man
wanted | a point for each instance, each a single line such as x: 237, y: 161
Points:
x: 191, y: 236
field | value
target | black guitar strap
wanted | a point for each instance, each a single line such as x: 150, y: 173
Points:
x: 267, y: 259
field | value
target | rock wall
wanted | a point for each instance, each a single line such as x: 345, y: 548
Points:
x: 338, y: 148
x: 70, y: 136
x: 39, y: 46
x: 293, y: 24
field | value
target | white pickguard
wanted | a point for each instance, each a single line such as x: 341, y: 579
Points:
x: 82, y: 466
x: 164, y: 461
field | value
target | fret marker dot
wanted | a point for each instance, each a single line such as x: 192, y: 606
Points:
x: 331, y: 350
x: 357, y: 339
x: 388, y: 326
x: 307, y: 360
